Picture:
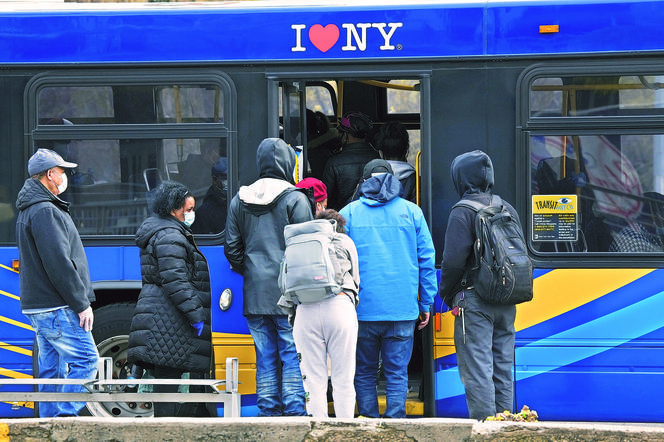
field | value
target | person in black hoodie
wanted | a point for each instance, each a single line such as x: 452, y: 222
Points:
x: 170, y: 331
x: 255, y: 247
x: 54, y: 281
x: 484, y: 336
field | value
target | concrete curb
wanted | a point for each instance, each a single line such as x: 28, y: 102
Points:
x: 91, y: 429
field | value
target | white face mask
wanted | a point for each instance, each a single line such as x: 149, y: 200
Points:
x: 63, y: 185
x: 189, y: 218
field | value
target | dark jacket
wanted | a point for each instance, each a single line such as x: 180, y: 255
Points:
x: 344, y: 170
x: 255, y: 226
x: 175, y: 294
x: 472, y: 174
x: 54, y: 268
x: 406, y: 175
x: 211, y: 215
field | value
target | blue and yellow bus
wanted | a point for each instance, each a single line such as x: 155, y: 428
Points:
x: 567, y: 97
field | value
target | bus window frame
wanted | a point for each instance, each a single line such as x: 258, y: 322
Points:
x: 135, y: 77
x: 528, y: 126
x: 307, y: 75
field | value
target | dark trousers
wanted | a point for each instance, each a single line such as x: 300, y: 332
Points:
x: 175, y: 409
x: 486, y: 357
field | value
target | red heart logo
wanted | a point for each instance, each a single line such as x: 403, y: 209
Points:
x: 324, y: 37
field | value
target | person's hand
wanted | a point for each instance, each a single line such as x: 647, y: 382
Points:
x: 424, y: 320
x: 87, y: 318
x: 199, y: 327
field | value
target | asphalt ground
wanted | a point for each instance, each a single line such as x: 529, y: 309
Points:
x: 92, y: 429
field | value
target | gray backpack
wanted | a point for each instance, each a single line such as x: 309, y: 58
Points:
x: 310, y: 270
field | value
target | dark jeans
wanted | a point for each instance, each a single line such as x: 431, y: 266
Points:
x: 279, y: 387
x: 393, y: 341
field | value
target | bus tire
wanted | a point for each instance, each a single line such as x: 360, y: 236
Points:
x: 111, y: 333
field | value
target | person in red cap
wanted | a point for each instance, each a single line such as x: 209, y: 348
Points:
x: 320, y: 191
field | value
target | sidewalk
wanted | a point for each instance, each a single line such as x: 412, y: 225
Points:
x: 92, y: 429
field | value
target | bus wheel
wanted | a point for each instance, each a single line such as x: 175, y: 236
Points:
x: 111, y: 333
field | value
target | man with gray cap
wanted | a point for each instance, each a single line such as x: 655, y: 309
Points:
x: 54, y: 280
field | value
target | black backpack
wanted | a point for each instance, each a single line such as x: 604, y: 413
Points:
x: 505, y: 271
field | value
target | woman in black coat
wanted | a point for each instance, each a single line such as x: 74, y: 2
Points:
x: 170, y: 331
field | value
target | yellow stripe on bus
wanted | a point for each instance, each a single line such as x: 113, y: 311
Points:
x: 9, y: 295
x: 15, y: 349
x: 8, y: 268
x: 560, y: 291
x: 557, y: 292
x: 16, y: 323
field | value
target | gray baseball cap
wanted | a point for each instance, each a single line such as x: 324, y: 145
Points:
x: 45, y: 159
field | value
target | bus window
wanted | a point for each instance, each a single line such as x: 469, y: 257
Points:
x: 103, y: 104
x: 614, y: 176
x: 111, y: 187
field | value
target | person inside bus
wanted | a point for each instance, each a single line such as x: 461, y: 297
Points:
x: 170, y: 331
x: 344, y: 170
x: 55, y: 287
x: 211, y: 215
x: 322, y: 142
x: 254, y: 247
x: 191, y: 170
x: 645, y: 233
x: 397, y: 286
x: 319, y: 191
x: 392, y: 140
x: 483, y: 333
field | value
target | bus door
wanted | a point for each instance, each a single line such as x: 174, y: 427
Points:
x: 308, y: 110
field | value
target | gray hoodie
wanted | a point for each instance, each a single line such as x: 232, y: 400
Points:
x: 255, y: 225
x: 54, y: 268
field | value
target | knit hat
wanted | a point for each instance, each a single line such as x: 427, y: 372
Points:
x: 320, y: 190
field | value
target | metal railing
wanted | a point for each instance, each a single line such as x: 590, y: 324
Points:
x: 107, y: 389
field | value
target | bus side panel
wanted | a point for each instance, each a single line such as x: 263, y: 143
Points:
x: 17, y: 345
x: 592, y: 335
x: 589, y: 334
x: 230, y: 334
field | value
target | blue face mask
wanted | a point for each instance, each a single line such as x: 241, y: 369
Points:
x: 189, y: 218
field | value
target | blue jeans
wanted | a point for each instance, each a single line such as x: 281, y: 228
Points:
x: 394, y: 341
x: 273, y: 340
x: 66, y: 351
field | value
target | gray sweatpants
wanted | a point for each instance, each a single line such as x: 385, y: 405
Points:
x: 329, y: 326
x: 486, y: 357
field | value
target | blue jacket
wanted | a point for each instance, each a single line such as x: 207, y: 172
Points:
x: 395, y: 250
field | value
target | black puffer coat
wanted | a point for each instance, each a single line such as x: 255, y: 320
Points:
x: 175, y: 294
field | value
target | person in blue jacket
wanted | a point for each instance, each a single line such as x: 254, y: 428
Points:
x: 397, y: 286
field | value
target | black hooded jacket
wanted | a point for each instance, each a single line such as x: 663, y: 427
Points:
x: 255, y: 226
x: 175, y: 295
x: 54, y: 268
x: 472, y: 174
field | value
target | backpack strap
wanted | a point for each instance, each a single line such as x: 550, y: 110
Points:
x: 475, y: 206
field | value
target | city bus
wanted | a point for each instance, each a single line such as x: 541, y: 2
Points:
x: 567, y: 97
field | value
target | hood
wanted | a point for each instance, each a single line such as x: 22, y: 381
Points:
x: 152, y: 225
x: 275, y: 159
x: 381, y: 188
x: 34, y: 192
x: 472, y: 172
x: 402, y: 169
